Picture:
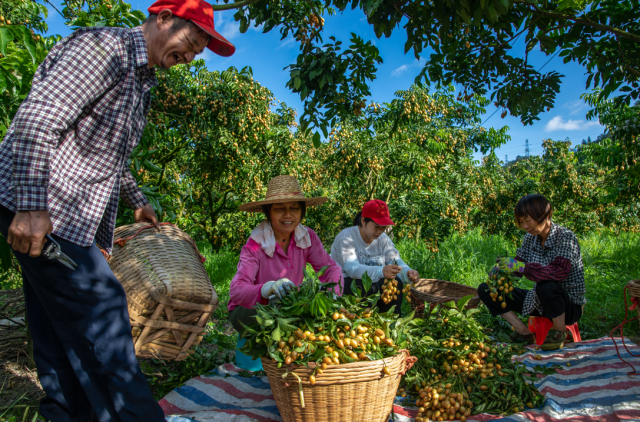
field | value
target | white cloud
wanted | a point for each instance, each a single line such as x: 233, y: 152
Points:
x: 399, y: 71
x: 227, y: 26
x: 575, y: 106
x: 558, y: 123
x: 206, y: 55
x: 289, y: 41
x: 416, y: 63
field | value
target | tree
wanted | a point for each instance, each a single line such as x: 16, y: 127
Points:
x: 617, y: 150
x: 22, y: 49
x: 472, y: 43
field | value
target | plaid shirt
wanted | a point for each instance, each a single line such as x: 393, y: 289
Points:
x: 68, y: 145
x: 562, y: 243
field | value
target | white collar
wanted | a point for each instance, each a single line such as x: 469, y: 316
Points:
x: 263, y: 235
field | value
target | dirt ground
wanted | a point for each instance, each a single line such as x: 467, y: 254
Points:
x: 19, y: 382
x: 16, y: 378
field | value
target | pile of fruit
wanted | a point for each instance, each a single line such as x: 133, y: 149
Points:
x: 314, y: 325
x: 501, y: 284
x: 460, y: 371
x: 390, y: 291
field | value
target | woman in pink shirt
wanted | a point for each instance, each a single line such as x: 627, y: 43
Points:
x: 278, y: 250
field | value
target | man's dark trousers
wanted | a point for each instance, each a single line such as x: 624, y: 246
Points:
x: 82, y: 343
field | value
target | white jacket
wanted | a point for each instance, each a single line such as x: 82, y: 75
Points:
x: 355, y: 257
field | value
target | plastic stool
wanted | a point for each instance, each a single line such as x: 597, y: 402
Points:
x: 540, y: 326
x: 246, y: 362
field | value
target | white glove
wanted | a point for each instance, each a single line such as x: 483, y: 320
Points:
x: 279, y: 288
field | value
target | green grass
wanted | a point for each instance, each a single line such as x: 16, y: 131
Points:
x: 610, y: 261
x: 221, y: 267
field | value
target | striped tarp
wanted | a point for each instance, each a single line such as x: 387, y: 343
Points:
x: 594, y: 387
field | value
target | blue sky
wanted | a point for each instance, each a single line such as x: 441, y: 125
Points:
x: 268, y: 56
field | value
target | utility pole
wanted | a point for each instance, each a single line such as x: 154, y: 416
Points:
x: 506, y: 159
x: 526, y: 148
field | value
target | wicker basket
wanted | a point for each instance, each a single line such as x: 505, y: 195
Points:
x: 357, y: 391
x: 435, y: 291
x: 169, y: 294
x: 634, y: 291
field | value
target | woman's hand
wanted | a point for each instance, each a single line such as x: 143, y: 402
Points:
x: 494, y: 271
x: 391, y: 271
x: 510, y: 265
x: 280, y: 288
x: 413, y: 275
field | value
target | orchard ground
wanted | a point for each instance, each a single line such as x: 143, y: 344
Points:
x: 610, y: 261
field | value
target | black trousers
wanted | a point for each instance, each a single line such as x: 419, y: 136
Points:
x: 82, y: 343
x: 554, y: 299
x: 246, y: 315
x: 375, y: 288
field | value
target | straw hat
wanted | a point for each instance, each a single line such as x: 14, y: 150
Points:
x: 283, y: 189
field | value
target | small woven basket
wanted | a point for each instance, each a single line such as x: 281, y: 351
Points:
x: 357, y: 391
x: 433, y: 292
x: 634, y: 291
x: 169, y: 293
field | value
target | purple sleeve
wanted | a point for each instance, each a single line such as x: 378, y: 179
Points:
x: 243, y: 290
x: 319, y: 258
x: 558, y: 270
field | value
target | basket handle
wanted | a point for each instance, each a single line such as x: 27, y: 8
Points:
x: 123, y: 240
x: 408, y: 361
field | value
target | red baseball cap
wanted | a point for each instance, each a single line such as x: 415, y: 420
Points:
x: 378, y: 211
x: 200, y: 13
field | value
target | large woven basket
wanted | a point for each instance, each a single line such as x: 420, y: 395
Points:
x: 433, y: 292
x: 357, y: 391
x: 634, y: 291
x: 169, y: 294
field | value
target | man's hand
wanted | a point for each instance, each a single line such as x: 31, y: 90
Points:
x: 413, y: 275
x: 27, y: 231
x: 391, y: 271
x: 146, y: 213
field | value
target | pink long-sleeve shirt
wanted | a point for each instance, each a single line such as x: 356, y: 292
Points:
x: 256, y: 268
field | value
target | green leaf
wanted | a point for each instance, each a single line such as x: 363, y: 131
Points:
x: 285, y: 324
x: 247, y: 329
x: 28, y: 42
x: 265, y: 322
x: 5, y: 37
x: 355, y: 290
x: 366, y: 282
x: 275, y: 334
x: 463, y: 302
x: 296, y: 83
x: 151, y: 167
x: 244, y: 25
x: 316, y: 143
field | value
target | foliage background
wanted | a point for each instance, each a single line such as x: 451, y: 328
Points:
x: 215, y: 139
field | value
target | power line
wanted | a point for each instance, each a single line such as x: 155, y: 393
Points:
x: 541, y: 67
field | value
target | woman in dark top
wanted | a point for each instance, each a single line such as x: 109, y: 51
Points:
x: 550, y: 257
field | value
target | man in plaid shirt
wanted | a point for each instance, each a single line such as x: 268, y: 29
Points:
x: 63, y: 166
